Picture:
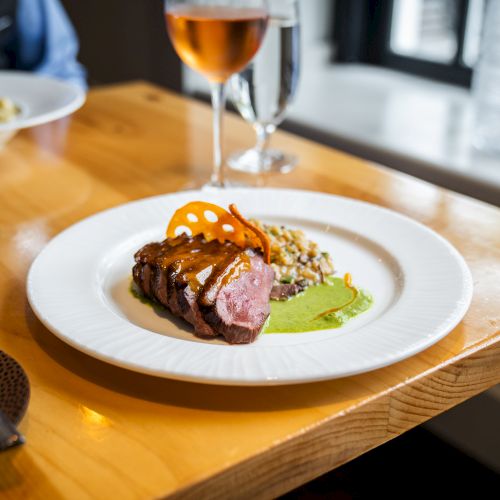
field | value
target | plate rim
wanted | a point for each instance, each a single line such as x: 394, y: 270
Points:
x: 423, y: 344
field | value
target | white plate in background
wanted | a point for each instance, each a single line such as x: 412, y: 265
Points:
x: 41, y: 99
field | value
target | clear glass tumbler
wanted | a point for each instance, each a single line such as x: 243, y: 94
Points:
x: 263, y: 91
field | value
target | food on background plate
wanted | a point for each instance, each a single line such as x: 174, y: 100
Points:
x: 220, y: 272
x: 8, y: 110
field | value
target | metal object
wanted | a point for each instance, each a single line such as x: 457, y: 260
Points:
x: 9, y: 435
x: 14, y: 397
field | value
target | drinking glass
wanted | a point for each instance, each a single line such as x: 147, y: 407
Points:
x: 263, y: 91
x: 216, y: 38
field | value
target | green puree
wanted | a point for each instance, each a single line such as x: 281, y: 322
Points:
x: 300, y: 313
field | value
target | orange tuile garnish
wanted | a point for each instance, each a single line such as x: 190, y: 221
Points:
x: 264, y: 239
x: 226, y: 227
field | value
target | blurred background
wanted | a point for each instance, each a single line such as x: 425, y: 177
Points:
x: 387, y: 80
x: 391, y: 81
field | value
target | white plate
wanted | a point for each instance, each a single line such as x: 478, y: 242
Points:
x: 41, y: 99
x: 78, y: 287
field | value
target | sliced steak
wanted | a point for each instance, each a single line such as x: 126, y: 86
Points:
x: 191, y: 312
x: 217, y: 287
x: 238, y: 308
x: 144, y: 268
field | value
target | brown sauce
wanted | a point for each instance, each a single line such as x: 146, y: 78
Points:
x: 198, y: 263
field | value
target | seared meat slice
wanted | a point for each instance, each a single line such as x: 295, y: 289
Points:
x: 239, y: 308
x: 219, y: 288
x: 158, y: 274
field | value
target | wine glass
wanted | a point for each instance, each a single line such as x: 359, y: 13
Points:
x: 217, y: 38
x: 263, y: 91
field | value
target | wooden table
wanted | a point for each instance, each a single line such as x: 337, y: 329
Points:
x: 94, y: 430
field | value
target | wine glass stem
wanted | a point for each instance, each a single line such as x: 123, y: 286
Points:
x: 218, y: 105
x: 262, y: 138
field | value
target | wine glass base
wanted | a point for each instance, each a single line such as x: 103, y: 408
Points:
x: 217, y: 186
x: 253, y: 162
x: 211, y: 184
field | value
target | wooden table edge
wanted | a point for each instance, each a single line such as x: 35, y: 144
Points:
x: 331, y: 442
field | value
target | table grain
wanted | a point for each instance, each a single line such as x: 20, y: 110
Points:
x: 97, y: 431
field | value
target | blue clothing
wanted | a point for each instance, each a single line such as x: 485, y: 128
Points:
x: 46, y: 42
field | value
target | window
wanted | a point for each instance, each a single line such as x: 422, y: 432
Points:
x: 432, y: 38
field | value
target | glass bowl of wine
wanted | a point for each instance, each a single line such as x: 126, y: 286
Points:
x: 216, y: 38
